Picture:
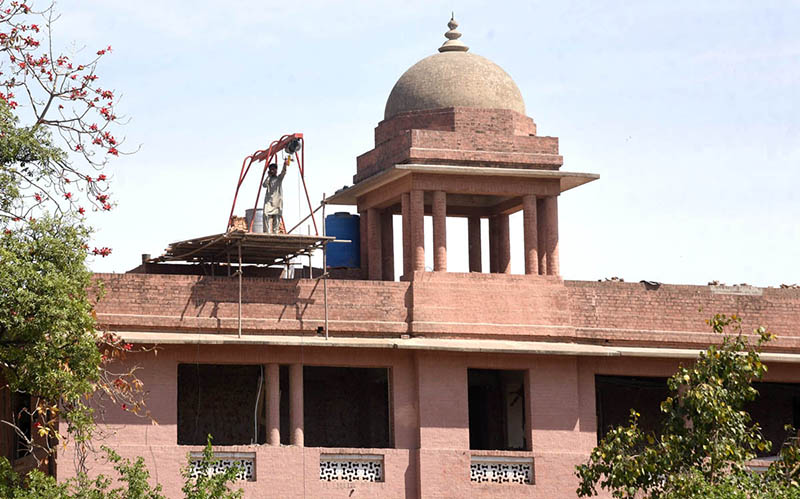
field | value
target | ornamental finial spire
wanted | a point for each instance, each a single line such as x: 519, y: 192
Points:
x: 453, y: 44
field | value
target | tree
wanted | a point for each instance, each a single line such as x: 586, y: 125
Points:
x: 56, y: 124
x: 49, y: 93
x: 707, y: 437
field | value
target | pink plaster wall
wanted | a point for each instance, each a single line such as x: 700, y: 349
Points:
x: 429, y: 396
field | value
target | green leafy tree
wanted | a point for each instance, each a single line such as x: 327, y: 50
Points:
x: 208, y: 484
x: 707, y: 437
x: 56, y: 124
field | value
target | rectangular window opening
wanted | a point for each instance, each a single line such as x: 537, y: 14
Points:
x: 346, y: 407
x: 225, y: 401
x: 615, y: 396
x: 497, y: 409
x: 776, y: 405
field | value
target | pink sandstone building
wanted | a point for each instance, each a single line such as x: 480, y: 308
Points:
x: 435, y: 384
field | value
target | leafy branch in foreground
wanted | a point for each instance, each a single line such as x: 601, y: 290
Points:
x: 707, y: 437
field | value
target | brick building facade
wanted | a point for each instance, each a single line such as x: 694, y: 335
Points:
x: 438, y: 384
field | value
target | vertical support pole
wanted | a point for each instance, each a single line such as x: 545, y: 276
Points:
x: 530, y: 230
x: 503, y: 245
x: 324, y: 267
x: 296, y: 403
x: 387, y: 245
x: 362, y: 243
x: 240, y: 289
x: 552, y: 234
x: 474, y: 237
x: 375, y: 265
x: 273, y: 405
x: 405, y: 210
x: 418, y: 229
x: 439, y: 231
x: 541, y: 231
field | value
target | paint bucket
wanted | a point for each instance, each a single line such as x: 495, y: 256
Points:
x: 258, y: 224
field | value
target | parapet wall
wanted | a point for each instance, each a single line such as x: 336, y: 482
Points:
x: 447, y: 305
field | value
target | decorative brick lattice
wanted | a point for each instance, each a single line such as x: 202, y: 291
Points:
x: 226, y: 460
x: 489, y: 469
x: 350, y: 468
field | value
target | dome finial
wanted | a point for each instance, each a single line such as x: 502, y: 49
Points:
x: 453, y: 44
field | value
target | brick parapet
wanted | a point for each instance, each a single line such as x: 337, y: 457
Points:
x: 640, y: 313
x: 444, y: 304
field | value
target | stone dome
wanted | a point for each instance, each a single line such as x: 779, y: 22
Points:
x: 454, y: 78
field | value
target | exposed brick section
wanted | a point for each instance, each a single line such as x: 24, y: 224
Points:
x: 612, y: 312
x: 521, y: 307
x: 461, y: 136
x: 143, y: 302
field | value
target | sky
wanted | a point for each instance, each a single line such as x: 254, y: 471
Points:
x: 689, y: 111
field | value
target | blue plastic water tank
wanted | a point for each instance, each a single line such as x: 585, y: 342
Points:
x: 343, y: 225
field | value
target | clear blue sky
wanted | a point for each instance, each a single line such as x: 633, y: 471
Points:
x: 689, y: 111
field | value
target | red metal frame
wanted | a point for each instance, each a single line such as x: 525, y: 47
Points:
x: 268, y: 156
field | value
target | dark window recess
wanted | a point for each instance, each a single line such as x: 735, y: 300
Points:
x: 346, y: 407
x: 777, y: 405
x: 23, y: 418
x: 615, y: 396
x: 496, y: 409
x: 225, y: 401
x: 283, y: 380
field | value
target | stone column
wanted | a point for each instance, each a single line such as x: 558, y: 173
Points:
x: 417, y: 216
x: 439, y: 231
x: 552, y: 234
x: 374, y: 265
x: 503, y: 245
x: 273, y: 405
x: 405, y: 209
x: 530, y: 229
x: 541, y: 234
x: 363, y: 243
x: 387, y: 245
x: 474, y: 236
x: 493, y: 245
x: 296, y: 403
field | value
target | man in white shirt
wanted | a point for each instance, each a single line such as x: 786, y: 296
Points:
x: 273, y: 198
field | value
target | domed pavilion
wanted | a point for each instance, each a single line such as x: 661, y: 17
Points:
x: 455, y: 142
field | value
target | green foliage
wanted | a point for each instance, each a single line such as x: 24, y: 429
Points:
x: 132, y: 478
x: 209, y: 485
x: 47, y: 338
x: 27, y: 159
x: 707, y: 437
x: 37, y: 485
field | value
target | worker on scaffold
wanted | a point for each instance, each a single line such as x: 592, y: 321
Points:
x: 273, y: 197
